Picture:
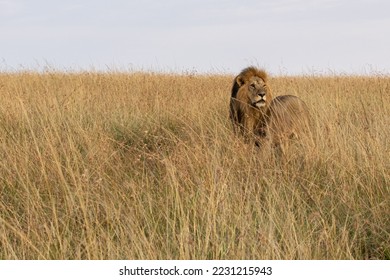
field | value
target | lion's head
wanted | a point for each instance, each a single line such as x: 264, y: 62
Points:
x: 249, y: 100
x: 251, y: 87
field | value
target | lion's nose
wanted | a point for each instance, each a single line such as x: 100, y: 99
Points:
x: 261, y: 93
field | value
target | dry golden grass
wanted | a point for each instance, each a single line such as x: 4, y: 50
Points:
x: 145, y: 166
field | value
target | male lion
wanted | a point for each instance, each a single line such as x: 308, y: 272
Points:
x: 249, y: 101
x: 286, y: 117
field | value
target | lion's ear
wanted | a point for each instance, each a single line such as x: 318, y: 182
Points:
x: 239, y: 80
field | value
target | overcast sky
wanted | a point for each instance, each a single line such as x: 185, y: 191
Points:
x: 284, y: 36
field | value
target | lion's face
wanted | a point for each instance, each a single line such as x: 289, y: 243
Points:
x: 257, y: 92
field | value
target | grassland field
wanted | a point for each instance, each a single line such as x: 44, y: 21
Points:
x: 146, y: 166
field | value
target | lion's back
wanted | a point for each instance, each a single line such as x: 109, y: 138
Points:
x: 288, y: 116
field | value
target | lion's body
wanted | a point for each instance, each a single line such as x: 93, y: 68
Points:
x: 249, y: 101
x: 257, y: 116
x: 287, y: 117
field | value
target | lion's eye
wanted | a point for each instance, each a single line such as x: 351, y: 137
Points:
x: 252, y: 86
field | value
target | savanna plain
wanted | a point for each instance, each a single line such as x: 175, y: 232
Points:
x: 146, y: 166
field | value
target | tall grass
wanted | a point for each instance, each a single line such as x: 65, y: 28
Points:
x: 145, y: 166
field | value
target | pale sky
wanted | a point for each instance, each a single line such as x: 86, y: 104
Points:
x: 283, y: 36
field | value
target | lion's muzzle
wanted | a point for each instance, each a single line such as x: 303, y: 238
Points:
x: 259, y: 104
x: 260, y: 99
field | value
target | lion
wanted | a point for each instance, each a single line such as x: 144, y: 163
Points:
x: 249, y: 101
x: 287, y: 117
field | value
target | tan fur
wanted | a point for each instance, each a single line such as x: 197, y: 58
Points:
x: 287, y: 117
x: 249, y: 101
